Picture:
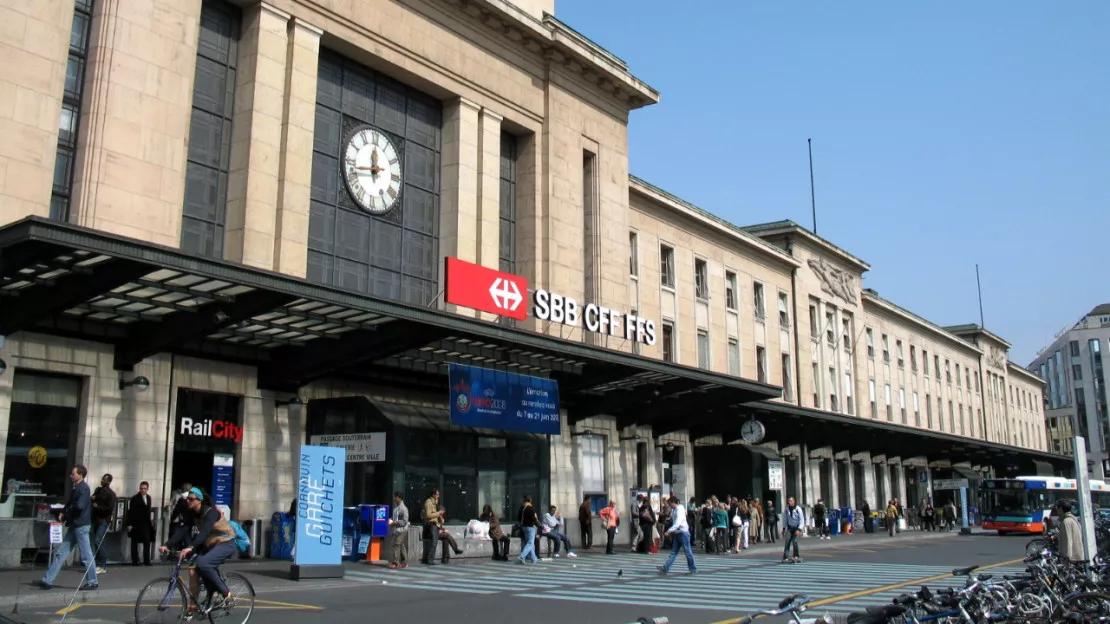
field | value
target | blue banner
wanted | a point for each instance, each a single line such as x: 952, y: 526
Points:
x: 490, y: 399
x: 320, y: 505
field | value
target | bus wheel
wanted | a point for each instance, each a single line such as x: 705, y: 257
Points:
x: 1003, y: 533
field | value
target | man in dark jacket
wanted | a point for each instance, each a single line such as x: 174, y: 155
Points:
x: 103, y: 507
x: 140, y: 526
x: 77, y: 516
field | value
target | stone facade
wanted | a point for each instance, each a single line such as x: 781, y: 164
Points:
x: 495, y: 67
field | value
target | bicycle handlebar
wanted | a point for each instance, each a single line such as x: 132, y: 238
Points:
x: 791, y: 603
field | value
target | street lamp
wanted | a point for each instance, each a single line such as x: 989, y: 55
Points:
x: 140, y: 383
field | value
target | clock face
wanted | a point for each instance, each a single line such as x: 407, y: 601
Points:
x: 372, y: 169
x: 752, y: 432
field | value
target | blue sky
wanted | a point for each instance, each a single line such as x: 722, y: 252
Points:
x: 945, y: 134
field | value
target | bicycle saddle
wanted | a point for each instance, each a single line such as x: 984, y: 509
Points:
x: 964, y: 571
x: 876, y: 615
x: 985, y: 577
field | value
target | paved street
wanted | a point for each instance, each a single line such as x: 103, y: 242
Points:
x: 841, y: 575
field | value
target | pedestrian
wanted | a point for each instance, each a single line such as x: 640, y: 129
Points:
x: 496, y: 533
x: 140, y: 524
x: 586, y: 522
x: 399, y: 528
x: 529, y: 522
x: 680, y: 538
x: 445, y: 538
x: 646, y: 524
x: 868, y: 523
x: 707, y: 525
x: 103, y: 508
x: 634, y: 514
x: 179, y: 508
x: 430, y: 517
x: 771, y: 521
x: 78, y: 516
x: 822, y: 525
x: 1070, y: 545
x: 793, y: 520
x: 756, y: 530
x: 891, y: 517
x: 610, y: 520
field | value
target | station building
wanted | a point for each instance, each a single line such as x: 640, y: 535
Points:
x: 224, y: 228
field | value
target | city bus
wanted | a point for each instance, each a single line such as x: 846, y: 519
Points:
x: 1023, y: 504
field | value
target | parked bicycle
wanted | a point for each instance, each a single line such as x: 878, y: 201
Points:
x: 795, y: 605
x: 166, y: 599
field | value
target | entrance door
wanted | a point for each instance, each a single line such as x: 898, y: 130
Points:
x: 207, y: 424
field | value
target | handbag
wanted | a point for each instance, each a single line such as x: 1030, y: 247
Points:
x: 737, y: 520
x: 517, y: 531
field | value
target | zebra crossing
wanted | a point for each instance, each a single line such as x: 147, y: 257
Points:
x: 722, y: 583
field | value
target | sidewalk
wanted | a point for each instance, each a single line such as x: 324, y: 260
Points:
x: 122, y: 583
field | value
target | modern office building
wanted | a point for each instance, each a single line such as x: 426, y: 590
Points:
x: 1075, y: 388
x: 228, y: 228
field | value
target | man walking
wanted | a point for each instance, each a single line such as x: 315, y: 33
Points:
x: 399, y: 527
x: 586, y: 522
x: 680, y: 538
x: 1070, y: 546
x: 140, y: 524
x: 771, y: 521
x: 793, y: 521
x: 103, y: 507
x: 431, y: 518
x: 77, y: 515
x: 822, y: 525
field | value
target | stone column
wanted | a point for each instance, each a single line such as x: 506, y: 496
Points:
x: 129, y: 178
x: 256, y: 145
x: 298, y: 127
x: 458, y: 208
x: 35, y: 48
x: 488, y: 224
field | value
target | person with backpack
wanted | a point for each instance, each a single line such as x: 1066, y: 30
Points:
x: 215, y: 540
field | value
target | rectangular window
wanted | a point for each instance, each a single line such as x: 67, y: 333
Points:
x: 633, y: 255
x: 959, y: 383
x: 394, y: 255
x: 916, y: 411
x: 886, y: 349
x: 787, y: 378
x: 701, y: 279
x: 962, y: 429
x: 951, y: 417
x: 760, y: 307
x: 834, y: 399
x: 730, y: 290
x: 967, y: 377
x: 816, y: 386
x: 1077, y: 372
x: 44, y: 413
x: 848, y: 394
x: 71, y: 111
x: 870, y: 343
x: 901, y: 356
x: 666, y: 266
x: 913, y: 358
x: 928, y: 411
x: 784, y: 310
x: 936, y: 365
x: 761, y: 364
x: 925, y: 362
x: 208, y: 162
x: 733, y: 357
x: 889, y: 405
x: 902, y: 404
x: 830, y: 327
x: 591, y: 457
x: 703, y: 349
x: 636, y: 343
x: 871, y: 396
x: 948, y: 371
x: 814, y: 329
x: 1073, y: 345
x: 507, y: 238
x: 668, y: 341
x: 846, y: 338
x: 591, y: 233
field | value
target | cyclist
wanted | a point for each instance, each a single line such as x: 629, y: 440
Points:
x: 214, y: 541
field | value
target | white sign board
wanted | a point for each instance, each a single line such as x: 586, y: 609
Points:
x: 361, y: 447
x: 55, y: 532
x: 774, y: 475
x: 949, y: 484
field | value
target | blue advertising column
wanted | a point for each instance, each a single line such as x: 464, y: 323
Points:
x: 319, y: 513
x: 964, y: 528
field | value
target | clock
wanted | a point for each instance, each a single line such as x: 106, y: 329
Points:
x: 752, y: 432
x: 371, y: 167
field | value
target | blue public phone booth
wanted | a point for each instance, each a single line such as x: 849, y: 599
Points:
x: 373, y: 527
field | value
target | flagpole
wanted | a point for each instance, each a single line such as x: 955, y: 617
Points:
x: 979, y: 287
x: 812, y: 195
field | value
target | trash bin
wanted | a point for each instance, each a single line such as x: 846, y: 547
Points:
x: 351, y: 533
x: 834, y: 522
x: 253, y: 528
x: 282, y: 536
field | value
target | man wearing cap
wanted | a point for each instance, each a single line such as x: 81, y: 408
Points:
x: 214, y: 541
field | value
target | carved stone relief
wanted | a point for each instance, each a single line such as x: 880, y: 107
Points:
x: 997, y: 358
x: 835, y: 281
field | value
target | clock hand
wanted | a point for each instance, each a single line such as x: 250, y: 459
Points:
x: 374, y: 168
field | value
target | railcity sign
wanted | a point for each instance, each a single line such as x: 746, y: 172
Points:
x: 481, y: 288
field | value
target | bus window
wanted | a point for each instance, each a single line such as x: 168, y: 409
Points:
x: 1005, y: 501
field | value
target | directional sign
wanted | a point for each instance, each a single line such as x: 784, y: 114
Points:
x: 475, y: 286
x: 949, y: 484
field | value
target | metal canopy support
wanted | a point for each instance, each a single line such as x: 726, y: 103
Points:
x: 620, y: 400
x: 151, y: 338
x: 595, y: 375
x: 26, y: 310
x: 293, y: 367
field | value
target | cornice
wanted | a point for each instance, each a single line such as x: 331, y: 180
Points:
x: 870, y: 297
x: 559, y: 44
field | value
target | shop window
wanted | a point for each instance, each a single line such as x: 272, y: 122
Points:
x: 493, y: 463
x: 460, y: 477
x: 43, y: 418
x: 591, y: 459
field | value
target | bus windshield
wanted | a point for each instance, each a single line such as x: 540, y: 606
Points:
x: 1006, y: 502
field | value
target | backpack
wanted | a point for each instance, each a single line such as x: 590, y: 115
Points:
x: 241, y: 539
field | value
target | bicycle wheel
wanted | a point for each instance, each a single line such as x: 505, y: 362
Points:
x: 1035, y: 546
x: 1089, y: 606
x: 241, y: 603
x: 156, y: 604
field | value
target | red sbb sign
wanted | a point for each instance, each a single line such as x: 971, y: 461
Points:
x: 474, y: 286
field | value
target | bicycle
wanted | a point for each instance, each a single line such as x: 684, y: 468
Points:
x: 795, y: 604
x: 162, y: 605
